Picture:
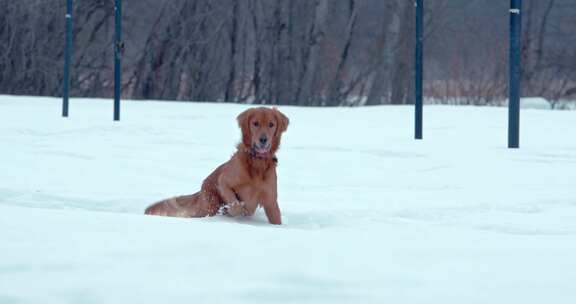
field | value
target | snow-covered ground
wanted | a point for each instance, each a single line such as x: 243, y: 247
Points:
x: 370, y: 215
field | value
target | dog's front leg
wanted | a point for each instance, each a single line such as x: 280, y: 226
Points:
x: 232, y: 205
x: 270, y: 204
x: 227, y: 194
x: 273, y: 213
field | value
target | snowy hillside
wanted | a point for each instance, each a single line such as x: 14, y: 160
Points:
x: 370, y: 215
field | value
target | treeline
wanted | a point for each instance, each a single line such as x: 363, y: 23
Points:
x: 297, y: 52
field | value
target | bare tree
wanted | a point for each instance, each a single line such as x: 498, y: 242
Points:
x: 298, y: 52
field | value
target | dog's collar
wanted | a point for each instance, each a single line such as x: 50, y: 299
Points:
x: 254, y: 155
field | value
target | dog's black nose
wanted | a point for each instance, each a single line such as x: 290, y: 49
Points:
x: 263, y: 140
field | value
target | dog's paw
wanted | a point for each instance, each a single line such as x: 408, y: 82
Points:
x: 234, y: 209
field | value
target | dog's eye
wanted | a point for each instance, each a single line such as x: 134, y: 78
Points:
x: 271, y: 125
x: 256, y: 124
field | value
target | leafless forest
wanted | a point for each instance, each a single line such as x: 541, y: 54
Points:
x: 296, y: 52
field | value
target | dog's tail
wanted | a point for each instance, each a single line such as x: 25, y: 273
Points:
x: 179, y: 206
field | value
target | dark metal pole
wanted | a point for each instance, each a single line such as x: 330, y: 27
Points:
x: 514, y: 74
x: 67, y: 54
x: 118, y: 50
x: 419, y: 68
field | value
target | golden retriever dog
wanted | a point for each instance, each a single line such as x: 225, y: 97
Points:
x: 243, y: 183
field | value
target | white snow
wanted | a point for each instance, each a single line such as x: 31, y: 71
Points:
x: 534, y: 103
x: 370, y: 215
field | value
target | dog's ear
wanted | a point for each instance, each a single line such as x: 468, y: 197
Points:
x: 244, y: 124
x: 281, y: 120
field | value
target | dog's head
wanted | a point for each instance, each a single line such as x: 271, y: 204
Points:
x: 262, y: 129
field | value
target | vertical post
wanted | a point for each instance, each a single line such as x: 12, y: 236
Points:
x: 67, y: 54
x: 419, y: 4
x: 118, y: 50
x: 514, y: 74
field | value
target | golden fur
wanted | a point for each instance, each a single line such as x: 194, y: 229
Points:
x: 247, y: 180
